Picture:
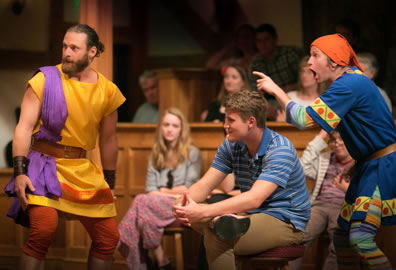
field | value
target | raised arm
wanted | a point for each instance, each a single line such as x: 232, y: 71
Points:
x: 266, y: 84
x: 295, y: 113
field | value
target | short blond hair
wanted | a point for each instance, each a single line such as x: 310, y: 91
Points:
x: 248, y: 103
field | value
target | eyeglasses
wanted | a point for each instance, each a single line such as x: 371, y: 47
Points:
x: 336, y: 141
x: 169, y: 184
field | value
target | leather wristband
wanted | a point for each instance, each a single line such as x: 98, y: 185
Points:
x: 110, y: 176
x: 20, y: 165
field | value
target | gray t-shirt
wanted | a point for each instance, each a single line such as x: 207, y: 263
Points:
x: 146, y: 113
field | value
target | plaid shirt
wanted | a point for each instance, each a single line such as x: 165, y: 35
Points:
x: 283, y: 69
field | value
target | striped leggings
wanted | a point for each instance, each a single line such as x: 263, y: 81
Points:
x: 359, y: 242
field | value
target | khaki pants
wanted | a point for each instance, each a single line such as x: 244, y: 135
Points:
x: 265, y: 232
x: 323, y: 217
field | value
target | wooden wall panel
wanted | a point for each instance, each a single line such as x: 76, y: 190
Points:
x: 190, y: 90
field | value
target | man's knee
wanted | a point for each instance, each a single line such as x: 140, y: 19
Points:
x: 103, y: 247
x: 43, y: 224
x: 39, y: 241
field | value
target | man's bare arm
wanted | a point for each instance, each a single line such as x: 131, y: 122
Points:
x: 108, y: 142
x: 30, y: 113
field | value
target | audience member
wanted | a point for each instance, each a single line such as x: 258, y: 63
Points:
x: 148, y: 111
x: 370, y: 65
x: 235, y: 79
x: 174, y: 165
x: 281, y: 63
x: 308, y: 88
x: 253, y: 153
x: 239, y: 51
x: 355, y: 108
x: 328, y: 193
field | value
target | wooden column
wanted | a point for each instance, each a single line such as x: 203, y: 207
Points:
x: 190, y: 90
x: 138, y: 52
x: 99, y: 15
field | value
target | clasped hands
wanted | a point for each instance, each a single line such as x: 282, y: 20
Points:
x: 187, y: 211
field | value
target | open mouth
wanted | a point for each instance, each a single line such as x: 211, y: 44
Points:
x: 314, y: 74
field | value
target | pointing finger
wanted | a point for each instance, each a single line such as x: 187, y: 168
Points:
x: 259, y: 74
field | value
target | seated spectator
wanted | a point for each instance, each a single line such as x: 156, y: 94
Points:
x: 148, y: 111
x: 239, y: 51
x: 281, y: 63
x: 174, y: 165
x: 267, y: 217
x: 370, y: 65
x: 308, y: 88
x: 234, y: 79
x: 328, y: 193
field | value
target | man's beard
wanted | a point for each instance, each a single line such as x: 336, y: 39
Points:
x: 71, y: 68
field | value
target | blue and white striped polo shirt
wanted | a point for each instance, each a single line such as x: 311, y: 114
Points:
x: 276, y: 161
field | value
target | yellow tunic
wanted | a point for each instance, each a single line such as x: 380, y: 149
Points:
x: 84, y: 190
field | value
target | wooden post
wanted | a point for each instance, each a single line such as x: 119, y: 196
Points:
x: 99, y: 15
x: 190, y: 90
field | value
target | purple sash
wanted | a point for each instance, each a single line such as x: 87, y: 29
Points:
x: 42, y: 168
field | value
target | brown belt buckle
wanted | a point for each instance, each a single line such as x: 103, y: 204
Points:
x: 66, y: 151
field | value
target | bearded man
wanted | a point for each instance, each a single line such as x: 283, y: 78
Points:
x: 64, y: 109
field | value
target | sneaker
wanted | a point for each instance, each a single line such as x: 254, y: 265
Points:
x: 230, y: 227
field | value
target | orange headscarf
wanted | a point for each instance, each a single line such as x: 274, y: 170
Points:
x: 337, y: 48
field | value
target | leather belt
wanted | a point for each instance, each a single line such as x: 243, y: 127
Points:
x: 57, y: 150
x: 383, y: 152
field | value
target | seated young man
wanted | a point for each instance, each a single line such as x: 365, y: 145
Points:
x: 273, y: 207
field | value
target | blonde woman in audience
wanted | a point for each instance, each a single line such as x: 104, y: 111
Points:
x: 174, y: 165
x: 309, y: 88
x: 234, y: 79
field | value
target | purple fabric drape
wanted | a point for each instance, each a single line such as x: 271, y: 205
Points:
x: 42, y: 168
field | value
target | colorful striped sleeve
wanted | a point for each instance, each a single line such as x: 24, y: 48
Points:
x: 298, y: 116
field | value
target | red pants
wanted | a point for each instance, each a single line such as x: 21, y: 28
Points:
x: 43, y: 224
